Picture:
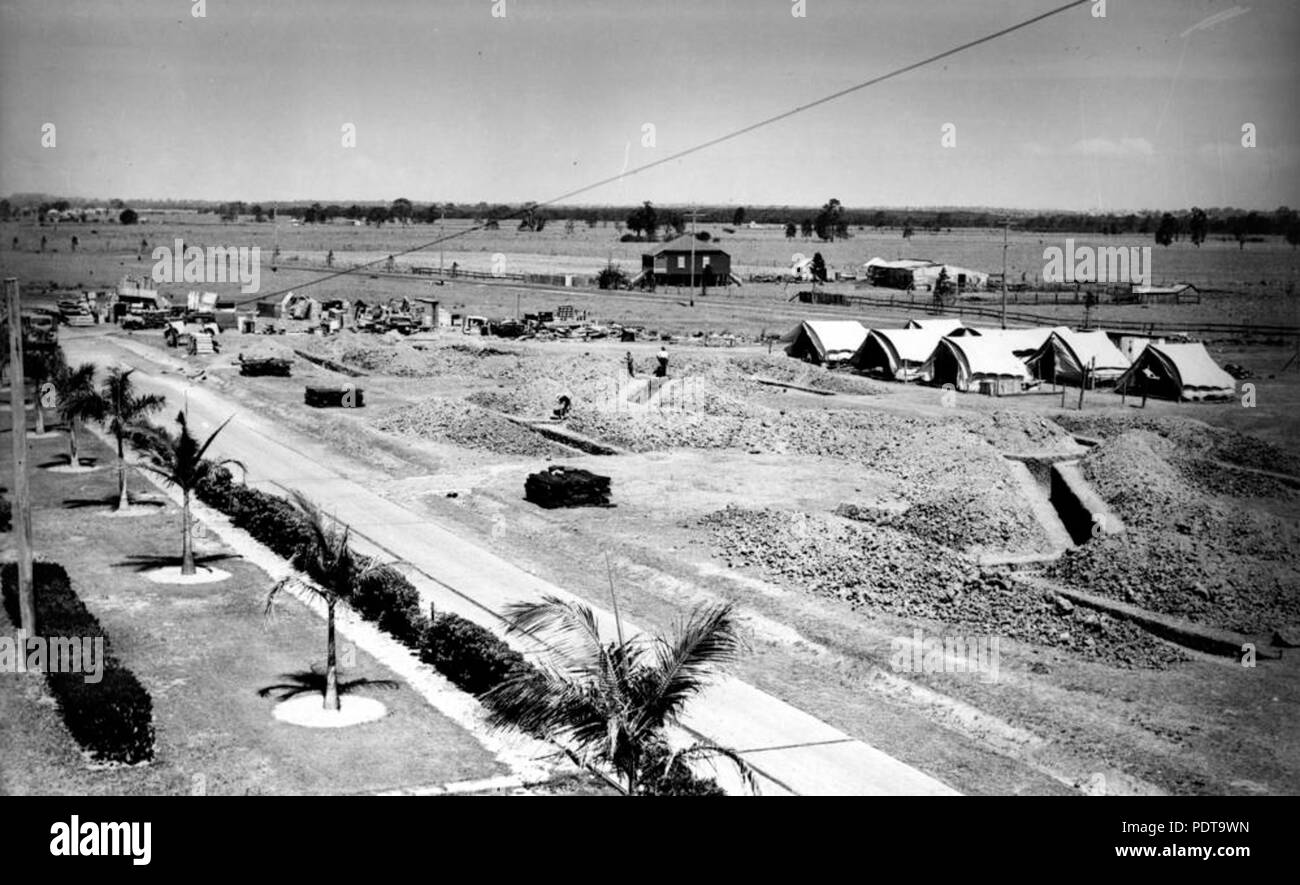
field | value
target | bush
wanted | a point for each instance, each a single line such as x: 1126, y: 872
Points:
x: 472, y: 657
x: 392, y: 602
x: 6, y: 515
x: 111, y: 719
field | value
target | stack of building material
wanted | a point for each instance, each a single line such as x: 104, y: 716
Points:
x: 346, y: 397
x: 567, y: 487
x: 267, y: 366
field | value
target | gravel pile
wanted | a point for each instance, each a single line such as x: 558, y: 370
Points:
x: 971, y: 520
x: 1209, y: 560
x: 1191, y: 437
x: 466, y: 425
x: 878, y: 568
x: 407, y: 360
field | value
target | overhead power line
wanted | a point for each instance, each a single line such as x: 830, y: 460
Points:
x: 686, y: 152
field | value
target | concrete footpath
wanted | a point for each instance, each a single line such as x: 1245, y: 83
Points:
x: 792, y: 752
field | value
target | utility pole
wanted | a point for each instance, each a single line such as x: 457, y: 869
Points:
x: 1006, y: 229
x: 22, y: 517
x: 694, y: 213
x: 442, y: 231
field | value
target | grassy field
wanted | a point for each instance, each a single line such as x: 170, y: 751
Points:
x: 1254, y: 285
x: 204, y: 652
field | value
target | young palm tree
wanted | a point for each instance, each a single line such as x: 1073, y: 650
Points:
x: 125, y: 411
x: 78, y: 401
x: 613, y: 701
x: 178, y: 460
x: 328, y: 559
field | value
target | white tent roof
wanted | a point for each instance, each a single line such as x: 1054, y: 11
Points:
x: 987, y: 356
x: 910, y: 345
x: 1196, y: 372
x: 943, y: 325
x: 1095, y: 345
x: 833, y: 339
x: 1020, y: 341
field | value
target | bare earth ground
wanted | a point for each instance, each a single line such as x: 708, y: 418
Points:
x: 1078, y: 695
x: 739, y: 494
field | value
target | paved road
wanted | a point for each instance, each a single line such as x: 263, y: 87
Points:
x: 791, y: 751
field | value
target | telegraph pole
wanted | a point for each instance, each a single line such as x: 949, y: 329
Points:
x: 694, y: 213
x: 22, y: 517
x: 1006, y: 229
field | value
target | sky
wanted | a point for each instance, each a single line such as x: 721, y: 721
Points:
x: 1143, y: 108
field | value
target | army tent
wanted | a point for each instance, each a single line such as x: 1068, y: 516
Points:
x: 1066, y: 354
x: 942, y: 325
x: 897, y: 354
x: 1022, y: 342
x: 824, y: 341
x: 1177, y: 371
x: 975, y: 362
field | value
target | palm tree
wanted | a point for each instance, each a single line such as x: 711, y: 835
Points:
x: 612, y: 702
x: 125, y: 411
x: 178, y: 460
x: 334, y: 569
x: 78, y: 401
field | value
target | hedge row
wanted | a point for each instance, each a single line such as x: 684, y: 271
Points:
x: 472, y: 657
x: 112, y: 719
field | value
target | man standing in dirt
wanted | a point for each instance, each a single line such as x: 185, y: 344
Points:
x: 662, y: 371
x: 631, y: 366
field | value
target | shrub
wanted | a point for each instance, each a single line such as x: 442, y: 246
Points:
x: 111, y: 719
x: 472, y: 657
x: 6, y: 515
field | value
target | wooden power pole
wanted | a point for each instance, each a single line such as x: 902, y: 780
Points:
x: 1006, y: 228
x: 22, y: 509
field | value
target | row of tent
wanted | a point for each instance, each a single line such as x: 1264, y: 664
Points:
x: 945, y: 351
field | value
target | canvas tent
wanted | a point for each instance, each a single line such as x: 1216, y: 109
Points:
x: 974, y: 362
x: 824, y: 341
x: 1066, y: 354
x: 942, y: 325
x: 1177, y: 371
x: 896, y: 353
x: 1022, y: 342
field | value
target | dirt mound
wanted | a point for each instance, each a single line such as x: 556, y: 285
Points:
x: 1192, y: 437
x: 878, y: 568
x: 406, y: 359
x: 1185, y: 552
x: 1018, y: 432
x: 466, y: 425
x: 990, y: 518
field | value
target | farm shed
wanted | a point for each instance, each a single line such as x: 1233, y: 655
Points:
x: 900, y: 274
x: 1178, y: 372
x: 975, y: 363
x: 897, y: 354
x: 1066, y: 354
x: 942, y: 325
x: 824, y: 341
x: 671, y: 266
x: 963, y: 279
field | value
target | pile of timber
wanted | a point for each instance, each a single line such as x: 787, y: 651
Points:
x: 567, y: 487
x: 346, y: 397
x: 267, y: 366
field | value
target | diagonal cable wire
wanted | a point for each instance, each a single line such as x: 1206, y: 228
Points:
x: 686, y: 152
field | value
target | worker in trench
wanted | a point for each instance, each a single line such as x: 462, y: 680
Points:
x: 662, y: 370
